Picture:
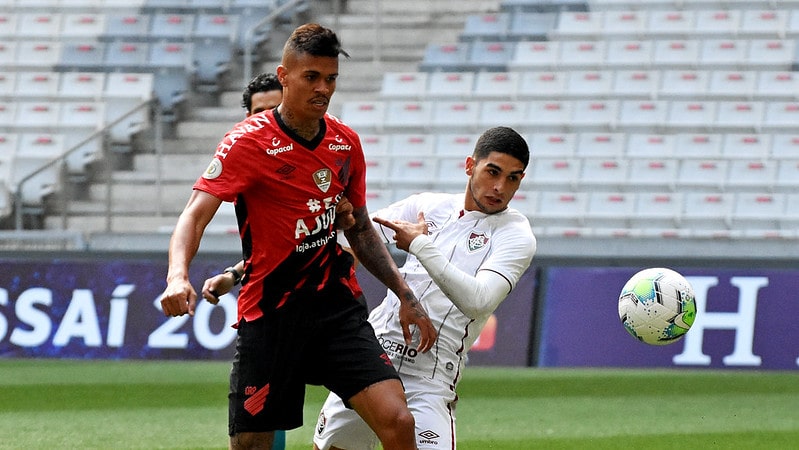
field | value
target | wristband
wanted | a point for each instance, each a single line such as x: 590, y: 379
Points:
x: 236, y: 275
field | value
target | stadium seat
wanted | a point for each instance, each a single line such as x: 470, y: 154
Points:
x: 716, y: 23
x: 684, y: 84
x: 81, y: 85
x: 777, y: 85
x: 8, y: 25
x: 404, y: 85
x: 126, y: 55
x: 758, y: 210
x: 374, y: 144
x: 37, y: 115
x: 707, y: 210
x: 37, y: 55
x: 212, y: 57
x: 642, y: 145
x: 643, y: 116
x: 35, y: 151
x: 543, y: 115
x: 629, y: 54
x: 669, y: 23
x: 377, y: 169
x: 408, y: 116
x: 751, y: 175
x: 8, y: 84
x: 451, y: 173
x: 8, y: 55
x: 784, y: 146
x: 8, y: 114
x: 124, y: 93
x: 739, y: 116
x: 652, y: 174
x: 600, y: 145
x: 769, y: 54
x: 699, y: 174
x: 126, y: 26
x: 460, y: 145
x: 670, y: 54
x: 562, y: 209
x: 595, y: 115
x: 557, y: 145
x: 39, y: 25
x: 215, y: 26
x: 406, y: 144
x: 450, y: 85
x: 83, y: 25
x: 657, y: 210
x: 787, y: 178
x: 579, y: 25
x: 697, y: 145
x: 604, y: 173
x: 365, y: 116
x: 525, y: 201
x: 610, y: 209
x: 691, y: 116
x: 532, y: 26
x: 542, y: 85
x: 171, y: 26
x: 723, y: 53
x: 82, y: 56
x: 641, y: 84
x: 555, y: 173
x: 743, y: 146
x: 486, y: 27
x: 780, y: 116
x: 537, y: 55
x: 583, y: 54
x: 760, y: 23
x: 455, y: 116
x: 501, y: 113
x: 417, y: 171
x: 590, y: 84
x: 446, y: 57
x: 490, y: 55
x: 378, y: 198
x: 496, y: 85
x: 37, y: 86
x: 518, y: 6
x: 735, y: 84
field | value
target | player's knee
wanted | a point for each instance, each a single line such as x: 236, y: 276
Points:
x: 404, y: 420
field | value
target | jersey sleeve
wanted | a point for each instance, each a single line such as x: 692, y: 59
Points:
x: 356, y: 184
x: 230, y: 170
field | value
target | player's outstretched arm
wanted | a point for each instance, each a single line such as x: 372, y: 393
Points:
x: 180, y: 297
x: 373, y: 254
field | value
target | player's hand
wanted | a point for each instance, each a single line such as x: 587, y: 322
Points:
x: 179, y: 298
x: 405, y: 232
x: 411, y: 312
x: 344, y: 218
x: 217, y: 286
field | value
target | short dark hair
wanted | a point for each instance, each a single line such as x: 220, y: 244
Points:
x: 314, y: 40
x: 503, y: 140
x: 264, y: 82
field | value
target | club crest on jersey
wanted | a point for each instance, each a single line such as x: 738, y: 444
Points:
x: 323, y: 178
x: 477, y: 241
x: 214, y: 169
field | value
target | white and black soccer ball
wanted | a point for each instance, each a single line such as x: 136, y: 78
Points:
x: 657, y: 306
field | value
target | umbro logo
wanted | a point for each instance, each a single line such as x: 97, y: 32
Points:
x: 429, y: 434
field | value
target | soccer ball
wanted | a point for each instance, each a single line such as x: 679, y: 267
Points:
x: 657, y: 306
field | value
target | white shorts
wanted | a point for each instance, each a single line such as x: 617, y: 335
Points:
x: 431, y: 402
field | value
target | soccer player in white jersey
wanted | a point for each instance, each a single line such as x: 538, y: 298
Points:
x: 466, y: 253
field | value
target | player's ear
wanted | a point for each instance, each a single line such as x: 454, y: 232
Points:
x: 469, y: 165
x: 281, y: 74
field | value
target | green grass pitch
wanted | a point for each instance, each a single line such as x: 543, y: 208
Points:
x: 47, y: 404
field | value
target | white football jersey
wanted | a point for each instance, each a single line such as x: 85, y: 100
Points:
x: 470, y: 240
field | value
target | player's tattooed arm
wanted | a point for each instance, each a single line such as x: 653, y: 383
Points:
x: 373, y: 254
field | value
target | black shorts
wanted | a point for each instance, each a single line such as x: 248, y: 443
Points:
x: 278, y: 354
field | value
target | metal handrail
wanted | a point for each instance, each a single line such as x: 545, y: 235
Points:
x: 18, y: 219
x: 249, y: 35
